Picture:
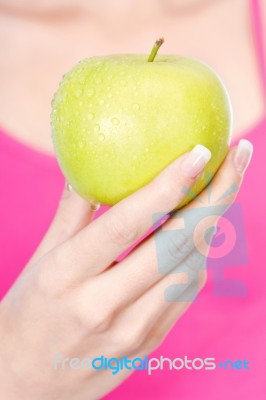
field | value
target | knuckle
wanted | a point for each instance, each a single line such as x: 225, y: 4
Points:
x: 179, y: 245
x: 127, y: 340
x: 195, y: 263
x: 91, y: 318
x: 121, y: 232
x: 92, y: 321
x: 99, y: 322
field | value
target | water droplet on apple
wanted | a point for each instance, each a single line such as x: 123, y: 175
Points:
x: 81, y: 79
x: 90, y: 92
x: 101, y: 102
x: 101, y: 137
x: 90, y: 116
x: 115, y: 121
x: 95, y: 205
x: 147, y: 149
x: 106, y: 155
x: 81, y: 145
x: 136, y: 107
x: 109, y: 95
x: 96, y: 128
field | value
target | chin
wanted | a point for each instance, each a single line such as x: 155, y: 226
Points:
x: 186, y: 5
x: 40, y: 6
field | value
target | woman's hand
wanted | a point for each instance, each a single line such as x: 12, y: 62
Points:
x: 74, y: 301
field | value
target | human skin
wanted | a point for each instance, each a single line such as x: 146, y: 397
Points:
x: 37, y: 49
x: 84, y: 310
x: 67, y: 300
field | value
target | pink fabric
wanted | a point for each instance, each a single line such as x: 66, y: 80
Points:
x: 224, y: 328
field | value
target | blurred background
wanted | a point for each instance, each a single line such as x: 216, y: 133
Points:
x: 42, y: 40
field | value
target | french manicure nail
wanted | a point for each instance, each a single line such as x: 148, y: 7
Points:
x: 195, y: 161
x: 243, y: 155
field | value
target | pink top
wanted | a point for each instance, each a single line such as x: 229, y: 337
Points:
x: 215, y: 326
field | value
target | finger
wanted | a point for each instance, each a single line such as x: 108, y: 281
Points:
x: 96, y: 246
x: 183, y: 235
x: 171, y: 314
x: 172, y: 309
x: 73, y: 214
x: 163, y: 325
x: 151, y: 308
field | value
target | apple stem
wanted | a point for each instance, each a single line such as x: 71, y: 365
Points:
x: 155, y: 49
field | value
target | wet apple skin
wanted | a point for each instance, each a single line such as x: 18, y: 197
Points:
x: 117, y: 121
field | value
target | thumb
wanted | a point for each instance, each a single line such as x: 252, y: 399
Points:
x: 73, y: 214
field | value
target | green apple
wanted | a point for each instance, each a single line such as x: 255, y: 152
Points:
x: 118, y: 120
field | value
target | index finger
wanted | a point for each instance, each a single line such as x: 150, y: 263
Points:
x: 97, y: 245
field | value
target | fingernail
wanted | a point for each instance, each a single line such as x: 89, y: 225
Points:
x: 195, y: 161
x: 243, y: 155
